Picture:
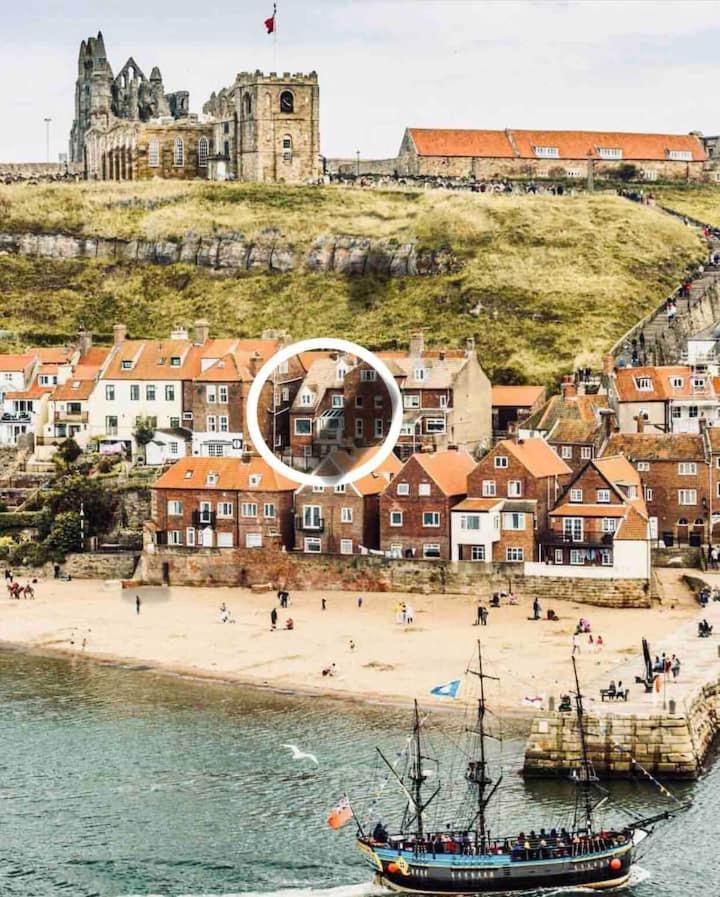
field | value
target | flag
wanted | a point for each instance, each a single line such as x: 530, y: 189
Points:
x: 270, y: 23
x: 340, y: 814
x: 449, y: 690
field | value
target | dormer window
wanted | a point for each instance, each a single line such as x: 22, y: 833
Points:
x: 76, y: 384
x: 255, y: 479
x: 698, y: 383
x: 340, y: 372
x: 546, y: 152
x: 677, y: 382
x: 212, y: 479
x: 576, y: 495
x: 679, y: 155
x: 644, y: 384
x: 126, y: 365
x: 501, y: 461
x: 188, y: 474
x: 368, y: 375
x: 610, y: 152
x: 420, y: 374
x: 306, y: 398
x: 175, y: 361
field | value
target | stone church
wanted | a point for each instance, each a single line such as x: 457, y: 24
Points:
x: 263, y: 128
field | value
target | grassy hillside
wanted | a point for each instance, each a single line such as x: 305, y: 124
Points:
x: 548, y: 282
x: 701, y: 202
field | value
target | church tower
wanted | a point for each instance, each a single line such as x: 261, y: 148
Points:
x: 93, y: 92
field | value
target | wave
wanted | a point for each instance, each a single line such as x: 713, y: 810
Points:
x: 366, y: 889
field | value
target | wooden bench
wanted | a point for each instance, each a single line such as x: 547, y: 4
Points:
x: 614, y: 695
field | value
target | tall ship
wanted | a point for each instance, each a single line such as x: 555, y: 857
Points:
x: 465, y: 856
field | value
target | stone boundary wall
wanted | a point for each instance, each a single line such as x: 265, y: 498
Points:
x: 329, y: 254
x: 247, y: 567
x: 350, y: 166
x: 27, y: 171
x: 671, y: 745
x: 99, y: 565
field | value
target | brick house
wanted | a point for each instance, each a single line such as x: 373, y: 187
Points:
x: 512, y: 404
x: 415, y: 507
x: 600, y: 523
x: 342, y: 519
x: 222, y: 503
x: 677, y: 482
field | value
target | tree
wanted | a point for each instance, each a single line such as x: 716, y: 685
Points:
x: 69, y: 450
x: 66, y: 533
x: 144, y: 432
x: 76, y: 492
x: 626, y: 172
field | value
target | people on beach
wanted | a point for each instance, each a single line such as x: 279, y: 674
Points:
x: 289, y: 623
x: 359, y: 601
x: 323, y: 604
x: 575, y: 644
x: 675, y: 666
x: 409, y: 613
x: 273, y: 618
x: 536, y: 608
x: 352, y: 645
x: 137, y: 604
x: 330, y: 671
x: 56, y: 571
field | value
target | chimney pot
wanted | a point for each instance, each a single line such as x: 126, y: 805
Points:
x: 119, y: 334
x: 568, y: 388
x: 417, y: 344
x: 202, y: 331
x: 608, y: 365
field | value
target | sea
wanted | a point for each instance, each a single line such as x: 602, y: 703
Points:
x: 120, y: 781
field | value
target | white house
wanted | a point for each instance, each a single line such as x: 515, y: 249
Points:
x: 474, y: 528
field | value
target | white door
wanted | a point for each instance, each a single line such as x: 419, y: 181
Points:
x: 653, y: 529
x: 207, y: 537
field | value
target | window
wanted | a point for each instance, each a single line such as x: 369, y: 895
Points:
x: 692, y: 410
x: 477, y: 552
x: 609, y: 152
x: 223, y: 394
x: 174, y: 448
x: 687, y: 496
x: 150, y: 392
x: 643, y: 466
x: 431, y: 550
x: 346, y: 515
x: 431, y: 518
x: 134, y: 392
x: 179, y: 153
x: 644, y: 384
x: 190, y: 536
x: 378, y: 401
x: 514, y: 555
x: 687, y: 468
x: 211, y: 479
x: 443, y: 401
x: 603, y: 496
x: 573, y: 528
x: 346, y: 546
x: 110, y: 393
x: 154, y: 154
x: 514, y: 521
x: 435, y: 425
x: 605, y: 557
x: 216, y: 450
x: 420, y: 374
x: 111, y: 425
x: 396, y: 518
x: 546, y: 152
x: 223, y: 419
x: 170, y: 397
x: 285, y: 394
x: 501, y: 461
x: 211, y: 423
x: 514, y: 488
x: 253, y: 540
x: 403, y: 489
x: 287, y: 102
x: 174, y: 361
x: 679, y: 155
x: 175, y: 508
x: 577, y: 557
x: 470, y: 521
x: 677, y: 382
x: 313, y: 545
x: 566, y: 452
x: 411, y: 401
x: 648, y: 493
x: 225, y: 509
x: 211, y: 393
x: 424, y: 489
x: 586, y: 452
x: 698, y: 382
x: 175, y: 537
x: 340, y: 489
x: 255, y: 479
x: 248, y: 509
x: 269, y: 510
x: 368, y: 375
x: 576, y: 495
x: 559, y: 556
x: 203, y: 152
x: 378, y: 428
x: 303, y: 426
x: 609, y: 524
x: 126, y: 365
x: 318, y: 488
x: 359, y: 427
x: 358, y: 401
x: 337, y: 401
x: 306, y: 398
x: 205, y: 512
x: 488, y: 488
x: 225, y: 540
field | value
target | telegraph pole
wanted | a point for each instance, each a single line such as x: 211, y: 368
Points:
x: 47, y: 138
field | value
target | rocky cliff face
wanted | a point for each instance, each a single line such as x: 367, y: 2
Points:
x: 330, y: 254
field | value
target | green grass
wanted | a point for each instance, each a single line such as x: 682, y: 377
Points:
x: 548, y: 283
x: 701, y: 202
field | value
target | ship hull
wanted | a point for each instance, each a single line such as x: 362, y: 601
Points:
x: 461, y: 875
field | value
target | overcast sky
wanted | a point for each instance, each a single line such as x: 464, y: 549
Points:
x: 641, y: 65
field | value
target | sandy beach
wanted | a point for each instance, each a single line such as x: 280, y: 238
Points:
x: 180, y: 630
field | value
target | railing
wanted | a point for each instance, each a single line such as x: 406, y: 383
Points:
x: 19, y: 417
x: 80, y: 417
x: 556, y: 537
x: 317, y: 525
x: 203, y: 518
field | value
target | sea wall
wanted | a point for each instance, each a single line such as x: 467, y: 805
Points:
x: 99, y: 565
x: 232, y: 254
x: 247, y: 567
x: 671, y: 743
x: 42, y: 171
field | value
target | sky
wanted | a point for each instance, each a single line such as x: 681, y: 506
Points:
x: 383, y: 65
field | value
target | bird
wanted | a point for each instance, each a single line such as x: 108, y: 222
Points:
x: 297, y: 754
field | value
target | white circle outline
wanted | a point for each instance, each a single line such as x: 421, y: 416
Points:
x: 313, y: 345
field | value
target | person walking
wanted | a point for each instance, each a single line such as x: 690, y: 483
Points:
x: 323, y: 603
x: 273, y: 618
x: 484, y: 614
x: 479, y: 613
x: 575, y: 644
x: 536, y: 608
x: 137, y: 604
x: 675, y: 666
x: 360, y: 601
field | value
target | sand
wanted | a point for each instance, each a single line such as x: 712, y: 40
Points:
x: 179, y: 630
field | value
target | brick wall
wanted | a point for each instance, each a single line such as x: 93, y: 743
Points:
x: 665, y: 482
x: 333, y: 529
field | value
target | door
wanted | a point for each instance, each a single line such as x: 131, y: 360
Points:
x: 653, y: 529
x: 207, y: 537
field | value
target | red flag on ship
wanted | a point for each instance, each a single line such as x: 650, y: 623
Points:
x: 340, y: 814
x: 270, y: 23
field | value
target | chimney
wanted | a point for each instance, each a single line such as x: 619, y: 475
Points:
x: 470, y: 345
x: 417, y: 344
x: 441, y: 355
x: 640, y: 421
x: 202, y: 331
x: 84, y: 342
x: 255, y: 363
x: 119, y: 334
x: 608, y: 365
x: 568, y: 388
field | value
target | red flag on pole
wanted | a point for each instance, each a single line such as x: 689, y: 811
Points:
x: 270, y: 23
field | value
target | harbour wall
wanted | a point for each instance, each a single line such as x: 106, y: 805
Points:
x: 670, y: 743
x: 280, y: 569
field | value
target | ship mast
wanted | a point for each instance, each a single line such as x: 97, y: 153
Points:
x: 416, y: 771
x: 477, y: 773
x: 587, y: 776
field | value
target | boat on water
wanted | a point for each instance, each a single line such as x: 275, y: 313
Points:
x: 466, y: 857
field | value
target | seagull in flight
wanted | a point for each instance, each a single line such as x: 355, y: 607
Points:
x: 297, y: 754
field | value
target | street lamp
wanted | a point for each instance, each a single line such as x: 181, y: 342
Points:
x: 357, y: 163
x: 47, y: 138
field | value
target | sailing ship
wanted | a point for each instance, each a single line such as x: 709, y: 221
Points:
x: 467, y: 857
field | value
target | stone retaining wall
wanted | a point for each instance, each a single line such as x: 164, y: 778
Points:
x: 330, y: 254
x: 98, y: 565
x: 671, y: 745
x: 27, y: 171
x: 245, y: 567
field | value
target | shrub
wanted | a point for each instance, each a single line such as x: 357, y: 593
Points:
x: 65, y: 535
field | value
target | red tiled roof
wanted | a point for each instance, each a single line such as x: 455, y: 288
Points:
x: 15, y: 363
x: 657, y: 446
x: 539, y: 458
x: 568, y: 509
x: 478, y: 504
x: 660, y: 385
x: 74, y: 389
x: 232, y: 473
x: 521, y: 396
x: 449, y: 469
x: 458, y: 142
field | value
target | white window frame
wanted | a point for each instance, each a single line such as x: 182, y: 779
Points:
x: 175, y: 508
x: 489, y: 488
x: 396, y: 518
x: 687, y: 496
x: 346, y: 515
x: 500, y: 462
x: 514, y: 554
x: 687, y: 468
x: 303, y: 420
x: 424, y: 489
x: 346, y: 546
x: 248, y: 509
x: 477, y: 553
x: 190, y: 536
x: 402, y: 489
x: 576, y: 496
x: 431, y: 551
x: 225, y: 509
x: 431, y: 519
x: 514, y: 488
x: 269, y: 510
x: 602, y: 496
x: 253, y: 540
x: 645, y: 465
x: 514, y: 521
x: 312, y: 545
x: 585, y: 452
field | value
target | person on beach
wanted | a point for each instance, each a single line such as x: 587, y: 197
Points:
x: 323, y: 604
x: 56, y: 571
x: 352, y: 645
x: 575, y: 644
x: 290, y: 623
x: 408, y: 613
x: 360, y: 601
x: 137, y: 604
x: 675, y: 666
x: 273, y: 618
x: 478, y: 618
x: 536, y: 608
x: 484, y: 614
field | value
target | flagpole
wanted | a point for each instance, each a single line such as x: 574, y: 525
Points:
x: 275, y: 31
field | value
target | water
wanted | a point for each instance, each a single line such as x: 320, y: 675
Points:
x: 119, y: 782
